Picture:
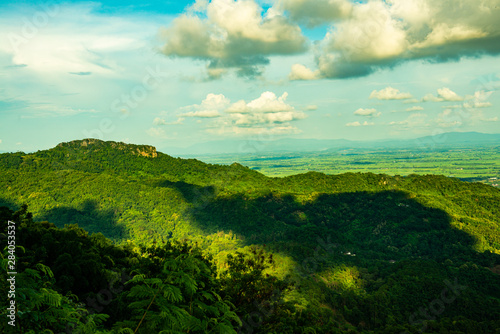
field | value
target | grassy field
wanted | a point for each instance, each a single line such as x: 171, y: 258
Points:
x: 479, y: 164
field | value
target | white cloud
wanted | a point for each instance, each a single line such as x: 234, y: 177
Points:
x: 268, y: 108
x: 448, y: 95
x: 266, y: 114
x: 232, y: 34
x: 478, y: 100
x: 161, y: 121
x: 470, y: 113
x: 477, y: 104
x: 431, y: 98
x: 415, y: 108
x: 355, y: 124
x: 61, y: 46
x: 447, y: 34
x: 381, y: 34
x: 269, y: 102
x: 443, y: 94
x: 390, y: 93
x: 369, y: 37
x: 210, y: 107
x: 300, y: 72
x: 367, y: 112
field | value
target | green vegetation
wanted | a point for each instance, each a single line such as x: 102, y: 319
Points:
x: 200, y: 248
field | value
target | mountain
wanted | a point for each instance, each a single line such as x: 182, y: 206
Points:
x: 358, y: 253
x: 311, y: 145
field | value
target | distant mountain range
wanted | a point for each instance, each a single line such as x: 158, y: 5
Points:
x: 444, y: 140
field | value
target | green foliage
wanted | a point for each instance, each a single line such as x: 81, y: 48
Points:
x: 177, y: 293
x: 227, y: 249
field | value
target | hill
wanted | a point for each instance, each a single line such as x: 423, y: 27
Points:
x: 358, y: 252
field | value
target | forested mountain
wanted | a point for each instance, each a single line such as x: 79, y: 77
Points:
x: 201, y: 248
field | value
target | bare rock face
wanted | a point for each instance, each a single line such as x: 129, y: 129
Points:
x: 148, y: 151
x: 95, y: 145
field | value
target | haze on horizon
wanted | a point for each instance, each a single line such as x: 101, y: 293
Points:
x: 178, y: 73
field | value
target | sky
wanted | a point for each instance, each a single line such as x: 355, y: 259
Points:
x: 177, y: 73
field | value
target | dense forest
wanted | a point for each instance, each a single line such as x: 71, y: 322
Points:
x: 117, y: 238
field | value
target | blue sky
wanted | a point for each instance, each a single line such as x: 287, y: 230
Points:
x: 173, y: 73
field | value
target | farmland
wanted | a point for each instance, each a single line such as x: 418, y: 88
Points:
x: 477, y: 164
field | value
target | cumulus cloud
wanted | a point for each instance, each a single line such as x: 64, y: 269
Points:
x: 369, y: 37
x: 365, y: 123
x: 478, y: 100
x: 268, y: 102
x: 443, y: 94
x: 161, y: 121
x: 477, y: 104
x: 231, y: 34
x: 381, y: 34
x: 300, y: 72
x: 448, y: 95
x: 390, y: 93
x: 268, y: 113
x: 468, y: 113
x: 315, y: 12
x: 431, y: 98
x: 210, y: 107
x: 367, y: 112
x: 363, y: 36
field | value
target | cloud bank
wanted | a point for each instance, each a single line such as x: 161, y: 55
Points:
x: 383, y: 34
x: 362, y: 37
x: 231, y: 34
x: 269, y: 114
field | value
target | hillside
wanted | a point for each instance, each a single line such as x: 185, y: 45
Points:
x: 361, y: 252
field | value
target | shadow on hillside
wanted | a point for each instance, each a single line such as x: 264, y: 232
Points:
x: 362, y: 249
x: 88, y: 216
x: 191, y: 192
x: 387, y: 225
x: 9, y: 204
